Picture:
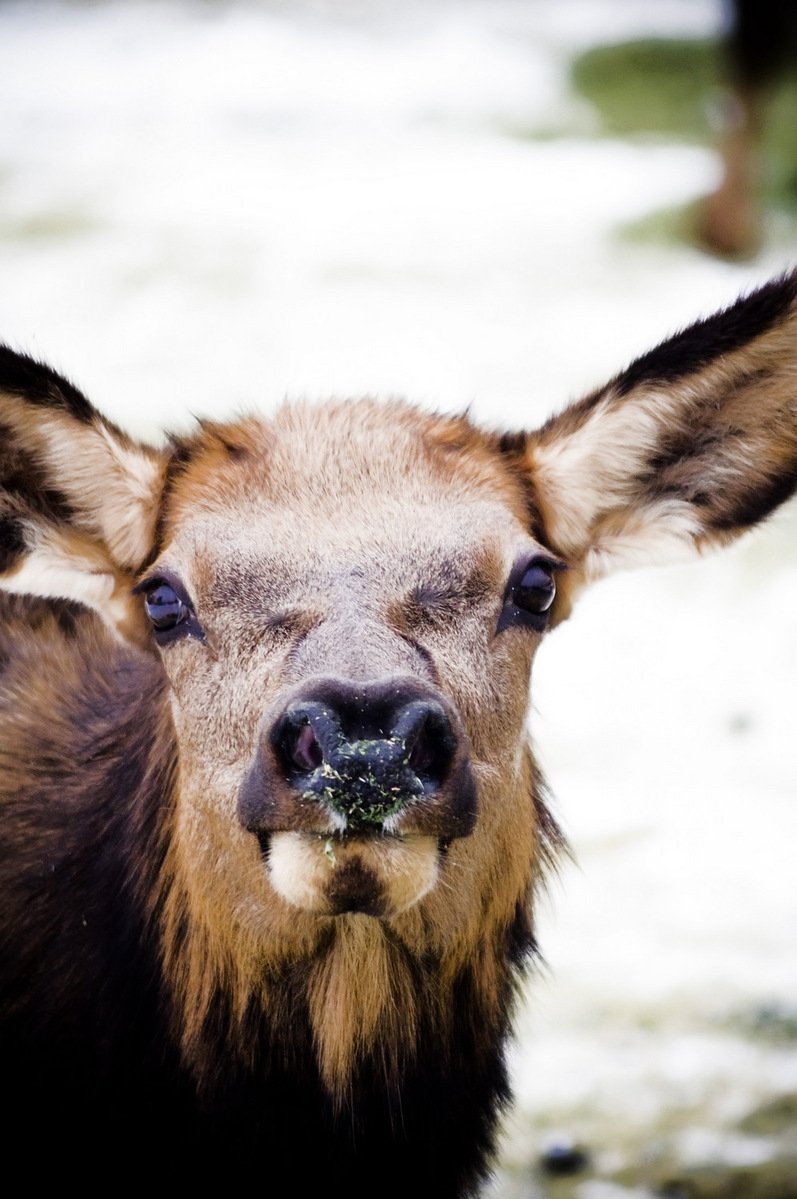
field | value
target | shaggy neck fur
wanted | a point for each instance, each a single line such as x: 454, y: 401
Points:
x: 354, y: 997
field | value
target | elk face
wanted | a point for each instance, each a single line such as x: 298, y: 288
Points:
x: 347, y: 613
x: 346, y: 600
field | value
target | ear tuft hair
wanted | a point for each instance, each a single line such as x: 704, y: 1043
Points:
x: 78, y: 497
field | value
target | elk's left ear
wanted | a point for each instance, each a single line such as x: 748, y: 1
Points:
x: 78, y: 498
x: 690, y: 446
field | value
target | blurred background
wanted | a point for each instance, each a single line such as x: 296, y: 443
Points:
x: 209, y: 205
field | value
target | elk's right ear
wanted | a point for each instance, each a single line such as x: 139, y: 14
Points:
x: 78, y: 498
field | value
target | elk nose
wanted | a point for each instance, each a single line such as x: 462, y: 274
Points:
x: 364, y: 751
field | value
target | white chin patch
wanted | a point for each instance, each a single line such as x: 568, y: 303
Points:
x: 379, y: 877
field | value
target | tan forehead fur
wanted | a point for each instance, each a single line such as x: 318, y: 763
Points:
x: 313, y: 457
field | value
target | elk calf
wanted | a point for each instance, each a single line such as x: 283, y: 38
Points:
x: 272, y: 828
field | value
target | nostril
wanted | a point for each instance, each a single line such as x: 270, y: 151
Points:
x: 305, y: 737
x: 429, y: 740
x: 422, y: 754
x: 305, y: 753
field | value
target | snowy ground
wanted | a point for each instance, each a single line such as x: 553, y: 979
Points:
x: 208, y: 206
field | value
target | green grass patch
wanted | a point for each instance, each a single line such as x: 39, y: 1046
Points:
x: 652, y: 88
x: 47, y: 224
x: 675, y: 90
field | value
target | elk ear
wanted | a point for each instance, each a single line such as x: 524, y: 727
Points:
x: 690, y: 446
x: 78, y: 498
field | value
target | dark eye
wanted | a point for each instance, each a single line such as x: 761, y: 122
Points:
x: 536, y: 589
x: 169, y: 609
x: 530, y: 593
x: 164, y: 607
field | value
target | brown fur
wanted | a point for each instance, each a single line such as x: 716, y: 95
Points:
x: 352, y: 545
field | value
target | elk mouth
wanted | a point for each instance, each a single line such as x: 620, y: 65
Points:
x: 371, y: 875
